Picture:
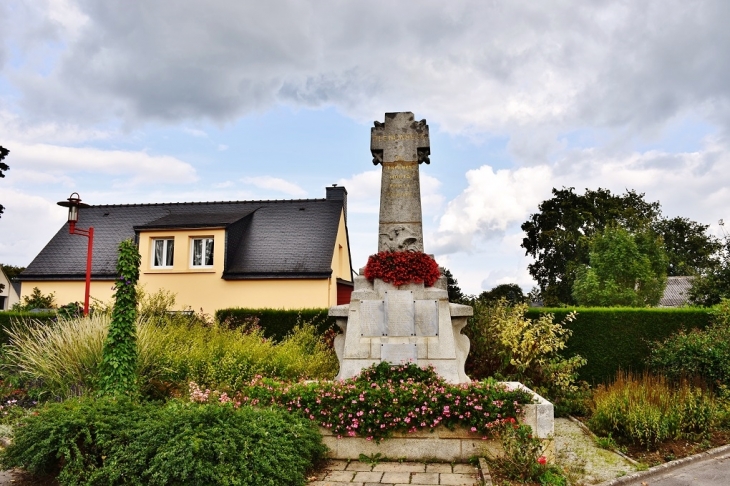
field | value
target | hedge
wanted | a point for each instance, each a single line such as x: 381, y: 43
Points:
x: 620, y: 338
x: 275, y: 323
x: 7, y: 318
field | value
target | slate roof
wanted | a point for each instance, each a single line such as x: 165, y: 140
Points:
x: 675, y: 293
x: 264, y: 239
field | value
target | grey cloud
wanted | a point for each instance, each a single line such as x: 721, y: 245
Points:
x: 479, y: 66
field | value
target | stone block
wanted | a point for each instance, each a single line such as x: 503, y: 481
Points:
x: 434, y: 293
x: 339, y: 310
x: 400, y: 313
x: 400, y: 466
x: 438, y: 467
x: 427, y: 317
x: 362, y: 283
x: 459, y: 310
x: 442, y: 282
x: 372, y: 318
x: 364, y: 295
x: 396, y: 477
x: 399, y: 353
x: 353, y: 367
x: 368, y: 476
x: 425, y: 478
x: 459, y: 479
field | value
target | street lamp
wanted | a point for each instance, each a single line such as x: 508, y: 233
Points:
x: 74, y: 204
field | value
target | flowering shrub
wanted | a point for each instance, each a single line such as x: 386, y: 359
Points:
x: 384, y: 399
x: 523, y: 459
x: 402, y: 267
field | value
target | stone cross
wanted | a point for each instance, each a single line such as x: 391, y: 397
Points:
x: 400, y: 145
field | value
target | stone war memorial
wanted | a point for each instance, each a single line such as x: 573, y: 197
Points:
x: 410, y: 322
x: 401, y: 319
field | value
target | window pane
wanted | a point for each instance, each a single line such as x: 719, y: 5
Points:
x: 197, y: 252
x: 209, y: 251
x: 170, y: 250
x: 159, y: 252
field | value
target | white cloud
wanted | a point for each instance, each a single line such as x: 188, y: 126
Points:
x: 126, y: 167
x: 195, y: 132
x: 275, y: 184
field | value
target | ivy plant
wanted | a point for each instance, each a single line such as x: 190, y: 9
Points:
x: 119, y: 361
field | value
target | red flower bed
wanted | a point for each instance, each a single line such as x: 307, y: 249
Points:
x: 402, y: 267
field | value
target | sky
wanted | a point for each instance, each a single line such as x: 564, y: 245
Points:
x: 142, y: 101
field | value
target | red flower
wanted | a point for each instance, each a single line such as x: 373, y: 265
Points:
x: 402, y: 267
x: 542, y: 460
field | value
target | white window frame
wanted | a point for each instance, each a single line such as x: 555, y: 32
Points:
x: 165, y: 250
x: 204, y: 240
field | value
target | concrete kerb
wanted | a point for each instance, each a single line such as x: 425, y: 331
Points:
x: 484, y: 475
x: 663, y: 468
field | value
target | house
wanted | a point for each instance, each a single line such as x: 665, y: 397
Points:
x: 279, y: 254
x: 676, y: 293
x: 10, y: 293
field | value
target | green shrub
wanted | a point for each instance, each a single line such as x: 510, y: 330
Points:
x: 36, y: 300
x: 699, y: 353
x: 508, y: 346
x: 63, y: 359
x: 275, y: 324
x: 620, y: 338
x: 648, y: 410
x: 117, y: 441
x: 523, y: 458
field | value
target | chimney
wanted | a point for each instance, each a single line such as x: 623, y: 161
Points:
x: 336, y: 193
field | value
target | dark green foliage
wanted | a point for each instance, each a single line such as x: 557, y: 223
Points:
x: 621, y: 338
x: 36, y: 300
x: 698, y: 353
x: 512, y: 293
x: 11, y: 271
x: 274, y: 323
x: 558, y: 235
x: 117, y: 441
x: 689, y: 248
x: 119, y: 363
x: 9, y: 318
x: 713, y: 285
x: 452, y: 287
x: 523, y: 458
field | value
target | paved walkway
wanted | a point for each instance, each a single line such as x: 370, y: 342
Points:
x: 709, y: 471
x: 340, y: 473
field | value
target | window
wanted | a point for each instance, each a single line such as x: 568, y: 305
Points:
x: 164, y: 250
x: 201, y: 252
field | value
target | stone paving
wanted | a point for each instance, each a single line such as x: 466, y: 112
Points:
x: 340, y: 473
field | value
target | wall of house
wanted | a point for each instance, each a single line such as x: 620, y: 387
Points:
x: 340, y: 261
x: 205, y: 289
x: 72, y: 291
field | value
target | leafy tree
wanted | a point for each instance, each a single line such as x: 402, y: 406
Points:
x: 512, y: 293
x: 11, y: 271
x: 690, y: 250
x: 711, y: 286
x: 3, y: 167
x: 558, y: 235
x: 625, y: 270
x: 455, y: 293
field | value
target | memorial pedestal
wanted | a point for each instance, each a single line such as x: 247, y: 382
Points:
x: 407, y: 324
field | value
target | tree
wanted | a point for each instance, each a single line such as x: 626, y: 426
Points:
x: 690, y: 250
x: 36, y: 300
x: 711, y: 286
x: 3, y: 167
x: 626, y: 269
x: 11, y: 271
x: 558, y: 235
x: 512, y: 293
x: 452, y: 286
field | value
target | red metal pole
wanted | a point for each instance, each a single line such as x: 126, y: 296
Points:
x: 88, y: 270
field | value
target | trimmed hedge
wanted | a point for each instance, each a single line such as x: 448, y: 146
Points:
x: 7, y: 318
x: 275, y: 323
x: 616, y: 338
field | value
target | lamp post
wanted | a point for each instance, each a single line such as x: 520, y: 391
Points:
x: 74, y: 204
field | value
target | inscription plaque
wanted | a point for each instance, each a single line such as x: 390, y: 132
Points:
x: 399, y: 313
x: 399, y: 353
x: 427, y: 318
x: 372, y: 318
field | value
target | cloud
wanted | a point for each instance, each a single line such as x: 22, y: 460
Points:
x: 473, y: 66
x: 275, y: 184
x: 127, y: 167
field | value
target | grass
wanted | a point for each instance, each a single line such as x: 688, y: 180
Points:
x: 648, y: 409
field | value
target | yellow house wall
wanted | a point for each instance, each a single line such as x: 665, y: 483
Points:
x: 67, y: 292
x: 204, y: 288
